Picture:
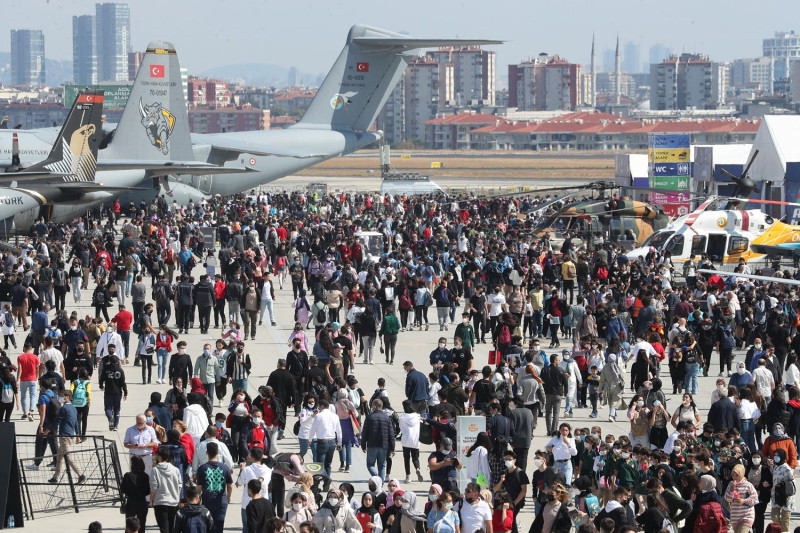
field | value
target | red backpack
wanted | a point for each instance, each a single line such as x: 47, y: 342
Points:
x: 710, y: 519
x: 505, y: 335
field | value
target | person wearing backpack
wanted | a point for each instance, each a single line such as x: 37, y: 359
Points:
x: 101, y: 299
x: 725, y: 343
x: 9, y: 393
x: 81, y: 399
x: 319, y: 314
x: 708, y: 514
x: 783, y: 488
x: 8, y: 327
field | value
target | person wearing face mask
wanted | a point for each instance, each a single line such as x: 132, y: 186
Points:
x: 206, y: 368
x: 299, y: 510
x: 741, y: 378
x: 336, y: 515
x: 554, y: 517
x: 442, y: 518
x: 615, y: 510
x: 514, y: 481
x: 237, y: 367
x: 759, y: 474
x: 251, y: 304
x: 239, y: 418
x: 778, y: 440
x: 180, y: 365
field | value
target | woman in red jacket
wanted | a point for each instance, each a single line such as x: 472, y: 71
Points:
x: 164, y: 340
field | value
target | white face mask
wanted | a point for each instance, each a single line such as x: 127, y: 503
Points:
x: 756, y: 461
x: 442, y: 345
x: 741, y: 370
x: 640, y: 403
x: 537, y: 463
x: 333, y: 502
x: 509, y: 464
x: 297, y: 506
x: 257, y: 421
x: 432, y: 497
x: 406, y: 505
x: 757, y: 347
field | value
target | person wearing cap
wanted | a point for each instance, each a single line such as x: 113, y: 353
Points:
x: 443, y: 464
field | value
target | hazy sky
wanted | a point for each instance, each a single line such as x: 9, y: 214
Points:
x: 309, y: 35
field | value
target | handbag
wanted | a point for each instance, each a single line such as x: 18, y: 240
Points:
x: 228, y: 420
x: 494, y: 357
x: 296, y: 428
x: 425, y: 434
x: 123, y: 505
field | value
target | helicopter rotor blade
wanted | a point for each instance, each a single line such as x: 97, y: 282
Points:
x: 749, y: 164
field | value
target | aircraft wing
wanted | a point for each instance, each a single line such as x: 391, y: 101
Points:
x: 154, y: 168
x: 84, y: 187
x: 768, y: 279
x: 236, y: 147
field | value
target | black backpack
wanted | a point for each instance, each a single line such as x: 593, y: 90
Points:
x: 322, y: 317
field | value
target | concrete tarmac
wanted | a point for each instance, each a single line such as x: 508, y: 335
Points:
x: 271, y: 344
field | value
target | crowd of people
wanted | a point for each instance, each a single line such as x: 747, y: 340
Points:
x: 354, y: 300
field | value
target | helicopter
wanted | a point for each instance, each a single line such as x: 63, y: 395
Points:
x: 619, y: 219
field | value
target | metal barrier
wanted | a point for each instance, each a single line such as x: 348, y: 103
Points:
x: 96, y: 457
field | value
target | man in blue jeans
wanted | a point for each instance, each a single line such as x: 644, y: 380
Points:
x: 328, y: 433
x: 378, y: 439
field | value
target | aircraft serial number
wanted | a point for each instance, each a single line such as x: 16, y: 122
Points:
x: 158, y: 92
x: 356, y: 77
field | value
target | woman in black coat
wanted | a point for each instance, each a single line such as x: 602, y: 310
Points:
x: 761, y: 478
x: 136, y: 488
x: 556, y: 502
x: 640, y: 369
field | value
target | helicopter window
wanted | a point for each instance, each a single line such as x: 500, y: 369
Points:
x: 675, y: 245
x: 716, y: 246
x: 657, y: 240
x: 737, y: 245
x: 616, y: 228
x: 699, y: 244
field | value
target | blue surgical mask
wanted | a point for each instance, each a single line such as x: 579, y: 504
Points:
x: 219, y: 424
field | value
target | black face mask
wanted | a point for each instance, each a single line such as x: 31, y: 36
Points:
x: 551, y: 497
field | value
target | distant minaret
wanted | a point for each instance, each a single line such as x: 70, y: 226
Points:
x: 593, y: 75
x: 618, y: 74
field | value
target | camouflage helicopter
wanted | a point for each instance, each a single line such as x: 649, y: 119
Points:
x: 596, y: 220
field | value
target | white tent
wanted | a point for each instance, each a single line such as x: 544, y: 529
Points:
x: 778, y: 143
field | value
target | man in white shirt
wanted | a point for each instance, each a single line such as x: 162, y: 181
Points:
x: 141, y: 440
x: 476, y: 515
x: 51, y: 353
x: 201, y: 456
x: 328, y: 432
x: 254, y: 470
x: 110, y: 336
x: 764, y: 380
x: 496, y: 303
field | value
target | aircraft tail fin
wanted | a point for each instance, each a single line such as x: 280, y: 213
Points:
x: 363, y: 76
x: 154, y: 124
x: 74, y: 154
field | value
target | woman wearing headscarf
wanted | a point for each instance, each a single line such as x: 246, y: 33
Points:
x: 343, y: 408
x: 408, y: 519
x: 238, y: 420
x: 782, y: 497
x: 336, y: 515
x: 393, y: 502
x: 375, y: 486
x: 348, y: 491
x: 742, y: 496
x: 368, y: 516
x: 442, y: 518
x: 707, y: 504
x: 433, y: 494
x: 198, y: 390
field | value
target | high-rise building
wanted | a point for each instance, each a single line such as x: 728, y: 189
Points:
x: 747, y: 73
x: 688, y: 81
x: 473, y: 71
x: 429, y: 87
x: 27, y: 57
x: 658, y: 53
x: 134, y: 62
x: 391, y: 119
x: 784, y: 47
x: 113, y: 30
x: 84, y: 50
x: 630, y: 58
x: 546, y: 83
